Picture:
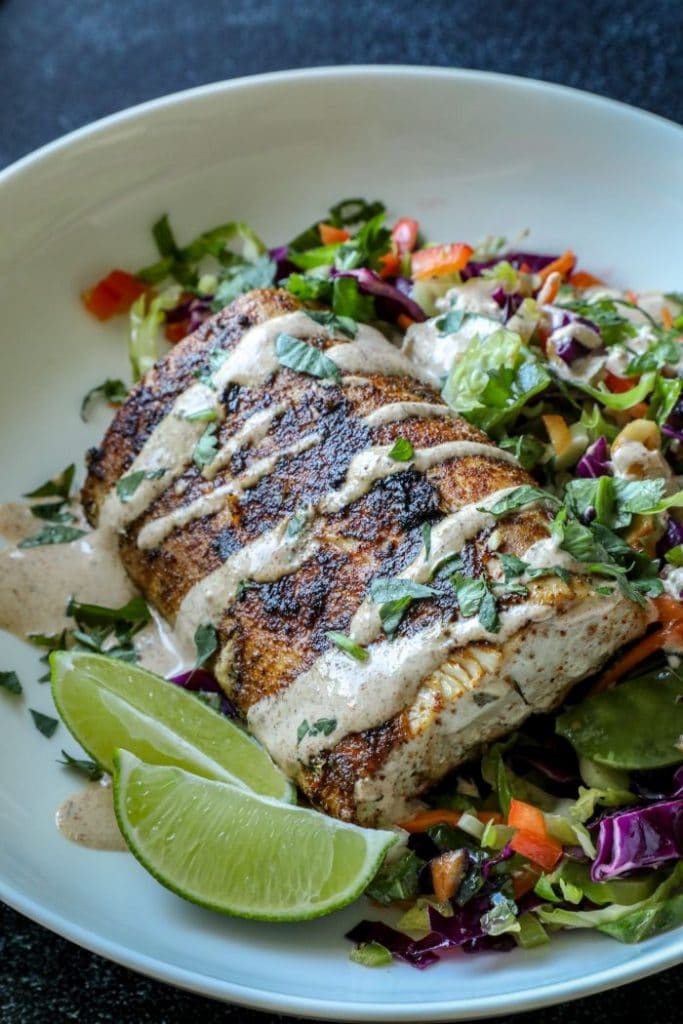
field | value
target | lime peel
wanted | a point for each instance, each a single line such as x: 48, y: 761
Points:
x: 238, y: 853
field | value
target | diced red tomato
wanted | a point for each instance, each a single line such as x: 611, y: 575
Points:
x: 440, y: 260
x: 618, y: 385
x: 176, y: 331
x: 404, y: 235
x: 113, y: 295
x: 329, y: 235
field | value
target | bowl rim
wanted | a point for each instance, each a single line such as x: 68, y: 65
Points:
x: 553, y: 992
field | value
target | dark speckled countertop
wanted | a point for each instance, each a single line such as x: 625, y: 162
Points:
x: 64, y: 63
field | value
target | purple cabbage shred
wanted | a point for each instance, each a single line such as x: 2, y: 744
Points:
x: 595, y: 460
x: 392, y: 300
x: 640, y: 838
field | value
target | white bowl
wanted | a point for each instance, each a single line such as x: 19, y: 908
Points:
x: 469, y: 154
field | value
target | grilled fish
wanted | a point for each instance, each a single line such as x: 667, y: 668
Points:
x: 281, y: 468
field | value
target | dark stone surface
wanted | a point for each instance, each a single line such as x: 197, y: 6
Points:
x: 64, y: 63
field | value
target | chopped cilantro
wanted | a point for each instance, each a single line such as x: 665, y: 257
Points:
x: 52, y: 512
x: 347, y: 645
x: 322, y: 726
x: 206, y: 643
x: 451, y: 322
x: 90, y: 769
x: 342, y: 324
x: 128, y: 485
x: 665, y: 350
x: 526, y: 494
x: 206, y: 447
x: 392, y: 612
x: 57, y: 534
x: 44, y: 723
x: 382, y: 590
x: 113, y: 391
x: 427, y: 539
x: 476, y: 598
x: 207, y: 415
x: 134, y: 613
x: 241, y: 278
x: 304, y: 358
x: 58, y: 487
x: 402, y: 450
x: 9, y: 681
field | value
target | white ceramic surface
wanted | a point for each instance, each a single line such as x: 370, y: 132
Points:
x: 470, y: 154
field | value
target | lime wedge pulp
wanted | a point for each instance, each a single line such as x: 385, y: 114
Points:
x: 241, y: 854
x: 107, y: 703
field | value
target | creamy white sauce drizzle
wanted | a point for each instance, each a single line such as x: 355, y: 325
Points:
x: 374, y: 464
x: 87, y: 818
x: 253, y: 431
x: 448, y: 537
x: 362, y: 695
x: 155, y: 532
x: 396, y: 412
x: 276, y: 553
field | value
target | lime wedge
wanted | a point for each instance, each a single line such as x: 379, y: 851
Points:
x: 107, y: 703
x: 239, y: 853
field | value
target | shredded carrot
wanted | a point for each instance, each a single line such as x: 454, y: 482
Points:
x: 525, y: 268
x: 563, y: 265
x: 447, y: 873
x: 329, y: 235
x: 176, y: 331
x: 632, y: 297
x: 669, y: 636
x: 423, y: 820
x: 558, y: 432
x: 667, y: 319
x: 404, y: 321
x: 551, y: 287
x: 582, y: 279
x: 391, y: 264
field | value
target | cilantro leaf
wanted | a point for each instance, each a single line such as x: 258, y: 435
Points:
x: 371, y: 954
x: 526, y: 494
x: 45, y: 724
x: 347, y: 645
x: 206, y: 447
x: 322, y: 726
x: 402, y: 450
x: 242, y: 278
x: 206, y: 643
x: 614, y: 328
x: 113, y: 391
x: 134, y: 613
x: 58, y: 487
x: 451, y: 322
x: 52, y: 512
x: 392, y: 612
x: 90, y: 769
x: 342, y: 324
x: 128, y: 485
x: 475, y: 597
x: 303, y: 358
x: 57, y: 534
x: 349, y: 301
x: 665, y: 350
x: 354, y: 211
x: 526, y: 448
x: 613, y: 500
x: 665, y: 395
x: 310, y: 287
x: 207, y: 415
x: 382, y: 590
x: 9, y: 681
x: 426, y: 532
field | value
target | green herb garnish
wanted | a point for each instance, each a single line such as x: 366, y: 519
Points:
x: 57, y: 534
x: 128, y: 485
x: 9, y: 681
x: 297, y: 355
x: 402, y: 450
x: 206, y: 447
x: 113, y: 391
x: 90, y: 769
x: 45, y: 724
x: 206, y: 643
x: 347, y: 645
